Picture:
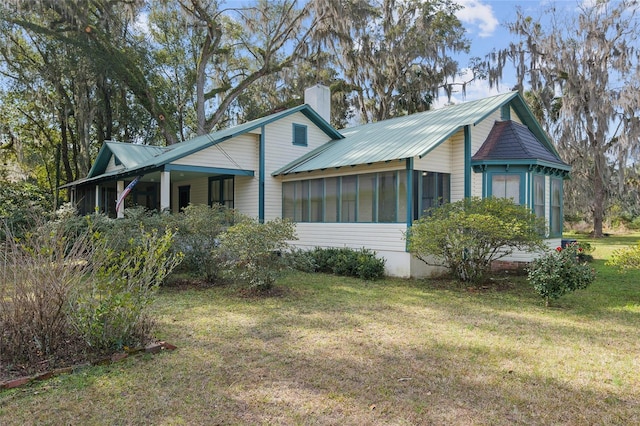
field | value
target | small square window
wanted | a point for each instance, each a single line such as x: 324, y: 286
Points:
x: 299, y: 134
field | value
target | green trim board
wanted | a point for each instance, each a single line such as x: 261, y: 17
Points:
x: 208, y: 170
x: 261, y: 175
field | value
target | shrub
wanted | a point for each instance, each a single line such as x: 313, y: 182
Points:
x: 37, y: 275
x: 626, y: 258
x: 110, y: 310
x: 466, y: 236
x: 251, y: 252
x: 198, y: 228
x: 559, y: 272
x: 64, y: 288
x: 343, y: 261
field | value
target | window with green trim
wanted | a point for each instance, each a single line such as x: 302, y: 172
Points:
x: 539, y: 195
x: 556, y: 206
x: 432, y: 189
x: 221, y: 191
x: 299, y: 134
x: 506, y: 186
x: 366, y: 198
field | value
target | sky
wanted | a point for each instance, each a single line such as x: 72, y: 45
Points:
x: 485, y: 22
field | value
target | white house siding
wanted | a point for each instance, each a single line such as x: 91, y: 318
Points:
x: 457, y: 166
x: 386, y: 239
x: 112, y: 165
x: 438, y: 160
x: 514, y: 116
x: 479, y: 134
x: 246, y: 195
x: 240, y: 152
x: 280, y: 150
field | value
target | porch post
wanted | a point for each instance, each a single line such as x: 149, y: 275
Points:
x: 119, y: 191
x: 165, y: 191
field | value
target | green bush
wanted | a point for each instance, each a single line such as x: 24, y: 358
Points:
x: 344, y: 261
x: 468, y: 235
x: 66, y: 288
x: 198, y: 228
x: 109, y: 310
x: 251, y: 252
x: 626, y: 258
x: 559, y: 272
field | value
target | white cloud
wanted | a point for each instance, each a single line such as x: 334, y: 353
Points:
x: 478, y: 14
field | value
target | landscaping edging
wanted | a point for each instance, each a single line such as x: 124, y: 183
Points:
x: 152, y: 348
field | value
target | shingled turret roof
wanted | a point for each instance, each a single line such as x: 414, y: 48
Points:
x: 510, y: 141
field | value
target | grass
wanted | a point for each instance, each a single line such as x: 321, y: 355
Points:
x: 330, y: 350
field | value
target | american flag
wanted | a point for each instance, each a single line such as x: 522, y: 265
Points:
x: 126, y: 191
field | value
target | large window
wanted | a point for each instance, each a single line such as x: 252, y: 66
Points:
x: 348, y: 198
x: 388, y: 197
x: 506, y: 186
x: 371, y: 197
x: 556, y: 206
x: 432, y: 190
x: 221, y: 191
x: 538, y: 195
x: 367, y: 198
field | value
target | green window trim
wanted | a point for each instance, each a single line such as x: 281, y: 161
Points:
x: 379, y: 197
x: 500, y: 174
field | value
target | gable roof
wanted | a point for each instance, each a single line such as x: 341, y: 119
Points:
x: 409, y: 136
x: 509, y: 141
x: 136, y: 159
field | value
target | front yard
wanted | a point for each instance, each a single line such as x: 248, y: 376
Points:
x: 333, y: 350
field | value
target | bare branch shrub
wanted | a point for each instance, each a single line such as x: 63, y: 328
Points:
x: 38, y: 273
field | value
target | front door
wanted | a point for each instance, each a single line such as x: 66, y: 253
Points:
x: 184, y: 196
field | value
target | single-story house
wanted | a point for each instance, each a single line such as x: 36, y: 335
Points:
x: 357, y: 187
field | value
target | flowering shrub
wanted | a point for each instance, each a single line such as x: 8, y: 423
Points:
x: 626, y: 258
x: 560, y: 272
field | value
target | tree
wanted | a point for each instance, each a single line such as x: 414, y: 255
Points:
x: 63, y: 90
x: 584, y: 74
x: 467, y: 236
x: 396, y: 54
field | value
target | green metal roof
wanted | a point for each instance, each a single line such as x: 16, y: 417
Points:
x: 128, y: 154
x: 137, y: 159
x: 409, y: 136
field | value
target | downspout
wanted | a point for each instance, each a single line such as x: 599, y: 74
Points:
x: 261, y: 178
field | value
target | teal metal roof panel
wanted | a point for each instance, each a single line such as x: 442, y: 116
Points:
x: 138, y: 158
x: 128, y: 154
x: 398, y: 138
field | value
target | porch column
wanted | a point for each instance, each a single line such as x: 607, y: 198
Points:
x: 97, y: 206
x: 165, y: 191
x: 119, y: 191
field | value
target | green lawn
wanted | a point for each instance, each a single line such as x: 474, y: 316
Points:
x: 329, y: 350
